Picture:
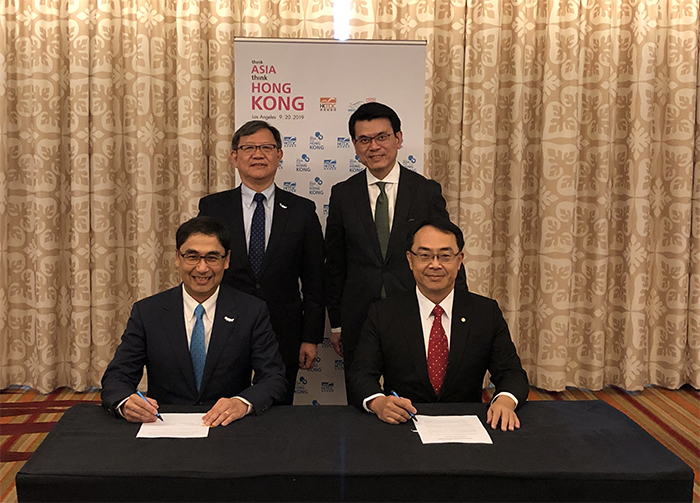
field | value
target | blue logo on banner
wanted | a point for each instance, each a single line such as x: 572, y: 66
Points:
x: 303, y: 163
x: 316, y: 367
x: 327, y: 387
x: 338, y: 365
x: 355, y: 165
x: 300, y: 388
x: 329, y: 164
x: 315, y: 141
x: 354, y: 106
x: 281, y: 164
x: 315, y: 187
x: 289, y: 141
x: 325, y: 212
x: 343, y: 142
x: 326, y: 340
x: 410, y: 162
x: 315, y: 402
x: 290, y: 186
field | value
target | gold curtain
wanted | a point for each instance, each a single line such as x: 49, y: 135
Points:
x: 564, y: 134
x: 113, y: 115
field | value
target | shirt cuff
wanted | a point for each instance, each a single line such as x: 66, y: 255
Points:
x: 250, y: 405
x: 510, y: 395
x: 369, y: 399
x: 336, y: 330
x: 119, y: 407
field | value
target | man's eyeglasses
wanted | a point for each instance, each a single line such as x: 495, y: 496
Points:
x: 265, y: 149
x: 381, y: 139
x: 192, y: 258
x: 443, y: 257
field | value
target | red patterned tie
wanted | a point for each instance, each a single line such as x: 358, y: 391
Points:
x: 437, y: 350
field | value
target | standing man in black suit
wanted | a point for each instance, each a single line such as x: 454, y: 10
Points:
x: 277, y: 244
x: 369, y: 217
x: 199, y: 341
x: 436, y: 342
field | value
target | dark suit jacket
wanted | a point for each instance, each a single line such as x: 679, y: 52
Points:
x: 294, y: 252
x: 155, y: 337
x: 392, y: 345
x: 355, y: 269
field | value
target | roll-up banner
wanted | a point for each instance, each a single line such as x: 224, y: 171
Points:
x: 308, y: 89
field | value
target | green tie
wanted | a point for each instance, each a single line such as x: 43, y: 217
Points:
x: 381, y: 218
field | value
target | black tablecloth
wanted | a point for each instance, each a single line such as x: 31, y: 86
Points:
x: 564, y: 451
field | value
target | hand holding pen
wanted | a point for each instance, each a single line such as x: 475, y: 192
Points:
x: 413, y: 416
x: 139, y: 409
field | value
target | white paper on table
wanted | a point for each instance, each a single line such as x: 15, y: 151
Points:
x: 451, y: 429
x: 175, y: 426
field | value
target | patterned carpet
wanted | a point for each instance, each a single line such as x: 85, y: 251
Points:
x: 672, y: 417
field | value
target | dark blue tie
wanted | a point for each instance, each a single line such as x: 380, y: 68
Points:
x: 256, y: 248
x: 198, y: 349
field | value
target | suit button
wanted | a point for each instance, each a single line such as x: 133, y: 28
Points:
x: 257, y: 286
x: 200, y: 403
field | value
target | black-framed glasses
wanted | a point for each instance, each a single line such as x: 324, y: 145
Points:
x: 267, y: 148
x: 443, y: 257
x: 192, y: 258
x: 381, y: 139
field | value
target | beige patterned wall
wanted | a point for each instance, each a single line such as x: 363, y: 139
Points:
x: 564, y: 134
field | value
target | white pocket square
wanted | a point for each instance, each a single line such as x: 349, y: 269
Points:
x: 283, y: 206
x: 230, y: 320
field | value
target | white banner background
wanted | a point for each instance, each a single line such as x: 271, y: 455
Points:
x: 308, y: 89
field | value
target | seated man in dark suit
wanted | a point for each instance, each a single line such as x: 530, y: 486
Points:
x: 435, y: 344
x: 199, y: 341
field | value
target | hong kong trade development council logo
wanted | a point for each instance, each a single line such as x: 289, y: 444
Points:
x: 327, y: 104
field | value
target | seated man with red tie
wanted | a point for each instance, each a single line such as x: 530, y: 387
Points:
x: 436, y: 343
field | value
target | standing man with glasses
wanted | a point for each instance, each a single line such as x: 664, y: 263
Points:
x: 277, y: 245
x: 436, y: 342
x: 200, y: 341
x: 370, y: 215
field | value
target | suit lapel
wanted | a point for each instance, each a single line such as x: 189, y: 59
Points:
x: 238, y: 242
x: 412, y: 328
x: 404, y: 197
x: 280, y: 216
x: 222, y: 329
x: 460, y: 324
x: 173, y: 320
x: 363, y: 211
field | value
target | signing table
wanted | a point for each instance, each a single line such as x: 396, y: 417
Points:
x: 564, y: 451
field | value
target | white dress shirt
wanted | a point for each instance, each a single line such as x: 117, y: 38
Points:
x: 249, y: 206
x: 189, y: 305
x: 391, y: 188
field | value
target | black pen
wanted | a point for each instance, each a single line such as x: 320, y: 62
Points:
x: 413, y: 416
x: 144, y: 399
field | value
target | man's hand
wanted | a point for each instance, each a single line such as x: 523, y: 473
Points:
x: 337, y: 342
x: 225, y: 411
x: 307, y: 355
x: 503, y: 409
x: 391, y: 409
x: 137, y: 410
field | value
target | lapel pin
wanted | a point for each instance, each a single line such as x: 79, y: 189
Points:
x: 230, y: 320
x: 283, y: 206
x: 463, y: 320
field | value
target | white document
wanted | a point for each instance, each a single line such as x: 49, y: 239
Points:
x: 175, y: 426
x: 451, y: 429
